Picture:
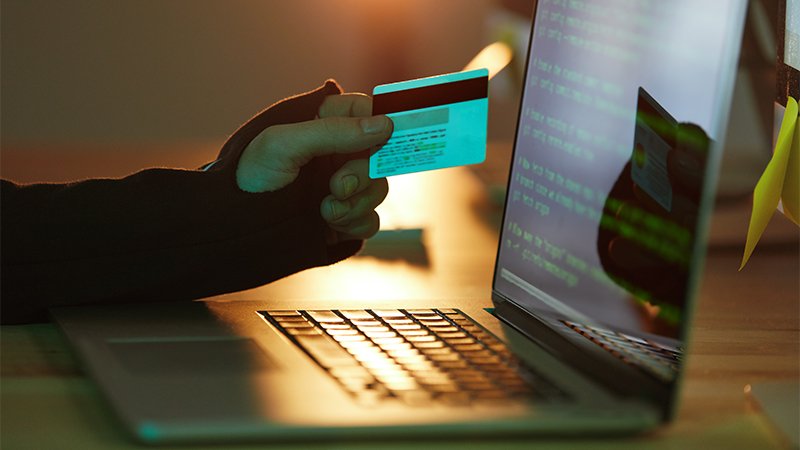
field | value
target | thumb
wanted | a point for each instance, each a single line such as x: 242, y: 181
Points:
x: 273, y: 159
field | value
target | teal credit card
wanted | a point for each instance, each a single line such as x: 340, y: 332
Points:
x: 438, y: 122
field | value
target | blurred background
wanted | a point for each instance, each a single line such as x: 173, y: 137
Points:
x: 104, y: 76
x: 106, y: 72
x: 106, y: 87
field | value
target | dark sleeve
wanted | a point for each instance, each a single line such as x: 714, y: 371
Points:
x: 163, y: 234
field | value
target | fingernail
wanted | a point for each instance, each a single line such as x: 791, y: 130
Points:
x: 349, y: 184
x: 337, y: 209
x: 374, y: 124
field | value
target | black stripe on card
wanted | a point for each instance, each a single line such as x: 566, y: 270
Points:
x: 427, y: 96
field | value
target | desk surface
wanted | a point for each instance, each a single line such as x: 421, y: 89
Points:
x: 746, y: 331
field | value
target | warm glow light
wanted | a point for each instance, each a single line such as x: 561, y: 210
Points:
x: 494, y: 57
x: 404, y: 207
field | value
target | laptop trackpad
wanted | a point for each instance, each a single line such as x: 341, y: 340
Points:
x: 195, y: 355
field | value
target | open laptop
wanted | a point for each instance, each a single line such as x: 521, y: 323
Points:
x: 600, y: 253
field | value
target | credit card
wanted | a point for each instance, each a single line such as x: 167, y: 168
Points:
x: 653, y: 139
x: 439, y: 122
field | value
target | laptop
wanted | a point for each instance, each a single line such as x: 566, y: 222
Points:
x: 600, y: 252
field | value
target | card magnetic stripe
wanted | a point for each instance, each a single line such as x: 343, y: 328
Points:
x: 656, y: 117
x: 434, y: 95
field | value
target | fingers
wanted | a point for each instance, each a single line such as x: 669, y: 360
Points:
x: 346, y: 105
x: 342, y: 213
x: 363, y: 228
x: 350, y: 208
x: 351, y: 178
x: 274, y: 158
x: 331, y: 135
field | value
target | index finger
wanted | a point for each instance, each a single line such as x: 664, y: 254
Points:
x: 346, y: 105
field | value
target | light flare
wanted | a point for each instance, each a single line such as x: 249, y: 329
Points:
x: 494, y: 57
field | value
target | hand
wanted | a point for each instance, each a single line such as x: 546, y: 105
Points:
x: 345, y: 125
x: 663, y: 266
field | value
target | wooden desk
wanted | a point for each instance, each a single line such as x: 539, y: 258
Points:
x: 746, y: 331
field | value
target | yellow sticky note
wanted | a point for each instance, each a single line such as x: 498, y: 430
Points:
x: 790, y: 198
x: 779, y: 181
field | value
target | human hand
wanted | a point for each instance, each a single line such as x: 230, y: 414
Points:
x: 345, y: 125
x: 657, y: 254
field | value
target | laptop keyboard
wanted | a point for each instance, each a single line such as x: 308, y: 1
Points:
x: 657, y: 359
x: 416, y: 355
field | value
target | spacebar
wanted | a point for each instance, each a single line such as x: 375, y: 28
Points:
x: 326, y: 351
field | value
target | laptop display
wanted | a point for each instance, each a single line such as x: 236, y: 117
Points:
x: 623, y: 110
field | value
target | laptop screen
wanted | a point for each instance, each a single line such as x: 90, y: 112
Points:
x: 621, y: 125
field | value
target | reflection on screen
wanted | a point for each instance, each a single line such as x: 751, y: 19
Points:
x: 791, y: 47
x: 622, y: 103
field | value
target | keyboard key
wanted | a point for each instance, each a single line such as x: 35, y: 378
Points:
x: 427, y: 316
x: 434, y: 322
x: 348, y: 338
x: 280, y: 313
x: 324, y: 316
x: 335, y: 326
x: 452, y: 335
x: 342, y: 332
x: 284, y: 319
x: 443, y: 329
x: 303, y: 331
x: 420, y: 339
x: 372, y: 351
x: 437, y: 351
x: 302, y: 324
x: 428, y: 344
x: 447, y: 357
x: 413, y: 332
x: 467, y: 347
x: 411, y: 326
x: 325, y: 351
x: 350, y: 372
x: 356, y: 314
x: 355, y: 345
x: 377, y: 362
x: 487, y: 360
x: 388, y: 313
x: 402, y: 350
x: 455, y: 364
x: 395, y: 377
x: 423, y: 366
x: 400, y: 346
x: 461, y: 341
x: 388, y: 340
x: 480, y: 353
x: 374, y: 329
x: 415, y: 312
x: 398, y: 321
x: 367, y: 323
x: 380, y: 334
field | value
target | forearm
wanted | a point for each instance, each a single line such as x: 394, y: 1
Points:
x: 162, y: 234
